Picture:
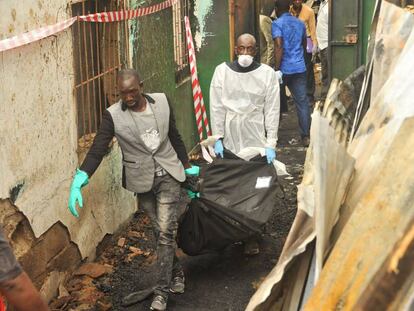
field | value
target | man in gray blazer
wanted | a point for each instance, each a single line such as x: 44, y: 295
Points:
x: 154, y: 159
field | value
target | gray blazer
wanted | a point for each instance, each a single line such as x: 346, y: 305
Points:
x: 138, y: 160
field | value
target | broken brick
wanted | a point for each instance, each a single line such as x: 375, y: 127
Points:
x: 94, y: 270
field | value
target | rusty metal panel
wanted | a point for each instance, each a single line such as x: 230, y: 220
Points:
x: 393, y: 286
x: 376, y: 225
x: 333, y: 170
x: 389, y: 106
x: 378, y: 207
x: 394, y: 28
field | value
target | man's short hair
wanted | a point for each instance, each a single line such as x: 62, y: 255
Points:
x: 128, y: 73
x: 267, y: 8
x: 283, y: 5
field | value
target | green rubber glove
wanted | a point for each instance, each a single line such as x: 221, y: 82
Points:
x: 192, y: 171
x: 193, y: 195
x: 79, y: 180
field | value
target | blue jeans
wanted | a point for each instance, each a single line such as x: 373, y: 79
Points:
x: 161, y: 204
x: 297, y: 86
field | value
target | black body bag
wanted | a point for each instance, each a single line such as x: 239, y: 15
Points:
x: 237, y: 198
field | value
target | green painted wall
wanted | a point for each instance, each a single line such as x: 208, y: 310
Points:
x: 153, y: 55
x: 212, y: 39
x: 151, y: 40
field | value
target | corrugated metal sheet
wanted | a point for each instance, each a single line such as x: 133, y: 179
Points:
x: 379, y: 203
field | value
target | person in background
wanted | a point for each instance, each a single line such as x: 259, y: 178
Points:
x: 15, y: 284
x: 244, y: 107
x: 289, y: 35
x: 153, y: 158
x: 306, y: 15
x: 322, y: 37
x: 267, y: 55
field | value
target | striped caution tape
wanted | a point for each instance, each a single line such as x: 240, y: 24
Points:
x: 104, y: 17
x: 199, y: 108
x: 35, y: 35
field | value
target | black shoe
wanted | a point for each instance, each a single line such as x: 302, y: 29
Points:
x: 305, y: 141
x: 159, y: 303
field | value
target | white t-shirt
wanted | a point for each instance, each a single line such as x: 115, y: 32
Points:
x: 323, y: 25
x: 147, y: 125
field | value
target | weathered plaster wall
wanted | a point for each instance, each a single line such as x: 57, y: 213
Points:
x: 37, y: 111
x: 38, y: 141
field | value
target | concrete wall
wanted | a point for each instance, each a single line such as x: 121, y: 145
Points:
x: 38, y: 149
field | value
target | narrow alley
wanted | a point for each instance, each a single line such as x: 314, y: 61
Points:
x: 214, y: 282
x: 270, y: 140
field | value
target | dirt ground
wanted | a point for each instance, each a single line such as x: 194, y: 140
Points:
x: 224, y: 281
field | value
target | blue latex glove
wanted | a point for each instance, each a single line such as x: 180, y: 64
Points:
x: 192, y: 171
x: 270, y: 155
x: 279, y: 75
x: 219, y: 149
x: 79, y: 180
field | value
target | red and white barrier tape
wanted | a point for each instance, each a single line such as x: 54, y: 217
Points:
x: 104, y: 17
x: 199, y: 108
x: 35, y: 35
x: 117, y: 16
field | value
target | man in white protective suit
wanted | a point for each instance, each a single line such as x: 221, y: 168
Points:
x: 245, y: 106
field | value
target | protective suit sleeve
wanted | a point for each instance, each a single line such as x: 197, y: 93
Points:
x: 217, y: 109
x: 272, y: 111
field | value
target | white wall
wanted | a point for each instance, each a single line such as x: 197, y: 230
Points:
x: 38, y: 140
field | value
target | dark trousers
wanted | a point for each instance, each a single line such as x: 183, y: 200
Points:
x: 323, y: 54
x: 161, y: 204
x: 283, y: 99
x: 297, y: 86
x: 310, y: 76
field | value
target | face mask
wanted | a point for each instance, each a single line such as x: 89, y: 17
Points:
x: 245, y: 60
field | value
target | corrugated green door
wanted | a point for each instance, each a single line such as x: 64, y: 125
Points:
x: 344, y: 35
